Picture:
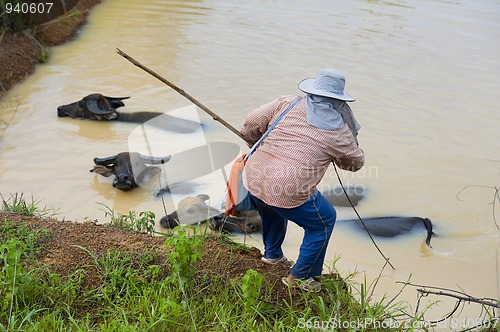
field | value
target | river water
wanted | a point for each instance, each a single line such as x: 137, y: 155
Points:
x: 424, y: 75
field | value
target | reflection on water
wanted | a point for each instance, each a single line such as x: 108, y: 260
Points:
x: 424, y: 75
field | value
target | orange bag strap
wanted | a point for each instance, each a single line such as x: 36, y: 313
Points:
x: 233, y: 184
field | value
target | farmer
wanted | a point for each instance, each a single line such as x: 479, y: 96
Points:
x: 282, y: 174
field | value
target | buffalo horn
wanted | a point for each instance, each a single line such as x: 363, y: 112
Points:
x: 119, y: 98
x: 155, y: 160
x: 105, y: 161
x: 93, y: 106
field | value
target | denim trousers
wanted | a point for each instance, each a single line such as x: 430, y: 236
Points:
x: 316, y: 216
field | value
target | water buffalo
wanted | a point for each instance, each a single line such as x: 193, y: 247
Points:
x: 99, y: 107
x: 129, y: 168
x: 96, y: 107
x: 394, y: 226
x: 194, y: 210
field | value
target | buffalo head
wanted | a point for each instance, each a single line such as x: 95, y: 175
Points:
x: 93, y: 107
x: 194, y: 210
x: 129, y: 168
x: 245, y: 222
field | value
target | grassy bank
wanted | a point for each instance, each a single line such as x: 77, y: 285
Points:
x: 182, y: 285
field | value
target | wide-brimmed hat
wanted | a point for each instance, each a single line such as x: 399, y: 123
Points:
x: 329, y: 83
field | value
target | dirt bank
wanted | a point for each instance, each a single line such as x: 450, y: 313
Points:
x: 62, y: 250
x: 20, y: 52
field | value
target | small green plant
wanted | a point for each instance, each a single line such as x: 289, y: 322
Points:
x: 144, y: 222
x: 250, y: 288
x: 185, y: 251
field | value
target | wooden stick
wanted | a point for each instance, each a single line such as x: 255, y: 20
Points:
x: 183, y: 93
x: 489, y: 302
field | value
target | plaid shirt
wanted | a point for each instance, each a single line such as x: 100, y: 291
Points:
x: 290, y: 162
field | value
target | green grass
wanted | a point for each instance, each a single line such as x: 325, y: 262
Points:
x: 144, y: 222
x: 16, y: 203
x: 137, y: 291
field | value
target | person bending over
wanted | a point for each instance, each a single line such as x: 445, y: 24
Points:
x: 283, y: 173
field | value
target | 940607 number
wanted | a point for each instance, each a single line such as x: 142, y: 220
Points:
x: 29, y: 8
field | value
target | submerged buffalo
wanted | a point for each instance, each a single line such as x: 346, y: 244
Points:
x: 394, y: 226
x: 130, y: 169
x: 98, y: 107
x: 103, y: 108
x: 195, y: 210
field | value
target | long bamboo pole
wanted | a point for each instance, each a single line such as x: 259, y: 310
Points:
x: 183, y: 93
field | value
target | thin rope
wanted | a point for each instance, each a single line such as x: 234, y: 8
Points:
x: 360, y: 219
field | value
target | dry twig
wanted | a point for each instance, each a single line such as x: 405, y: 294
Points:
x: 461, y: 296
x: 496, y: 196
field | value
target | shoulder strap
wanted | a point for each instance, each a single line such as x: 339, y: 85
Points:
x: 252, y: 149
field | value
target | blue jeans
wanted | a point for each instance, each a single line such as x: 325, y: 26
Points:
x: 316, y: 216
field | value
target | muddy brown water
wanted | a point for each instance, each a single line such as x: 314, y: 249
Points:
x: 425, y: 76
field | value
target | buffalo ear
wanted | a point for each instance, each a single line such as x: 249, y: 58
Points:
x: 116, y: 102
x: 103, y: 170
x: 203, y: 197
